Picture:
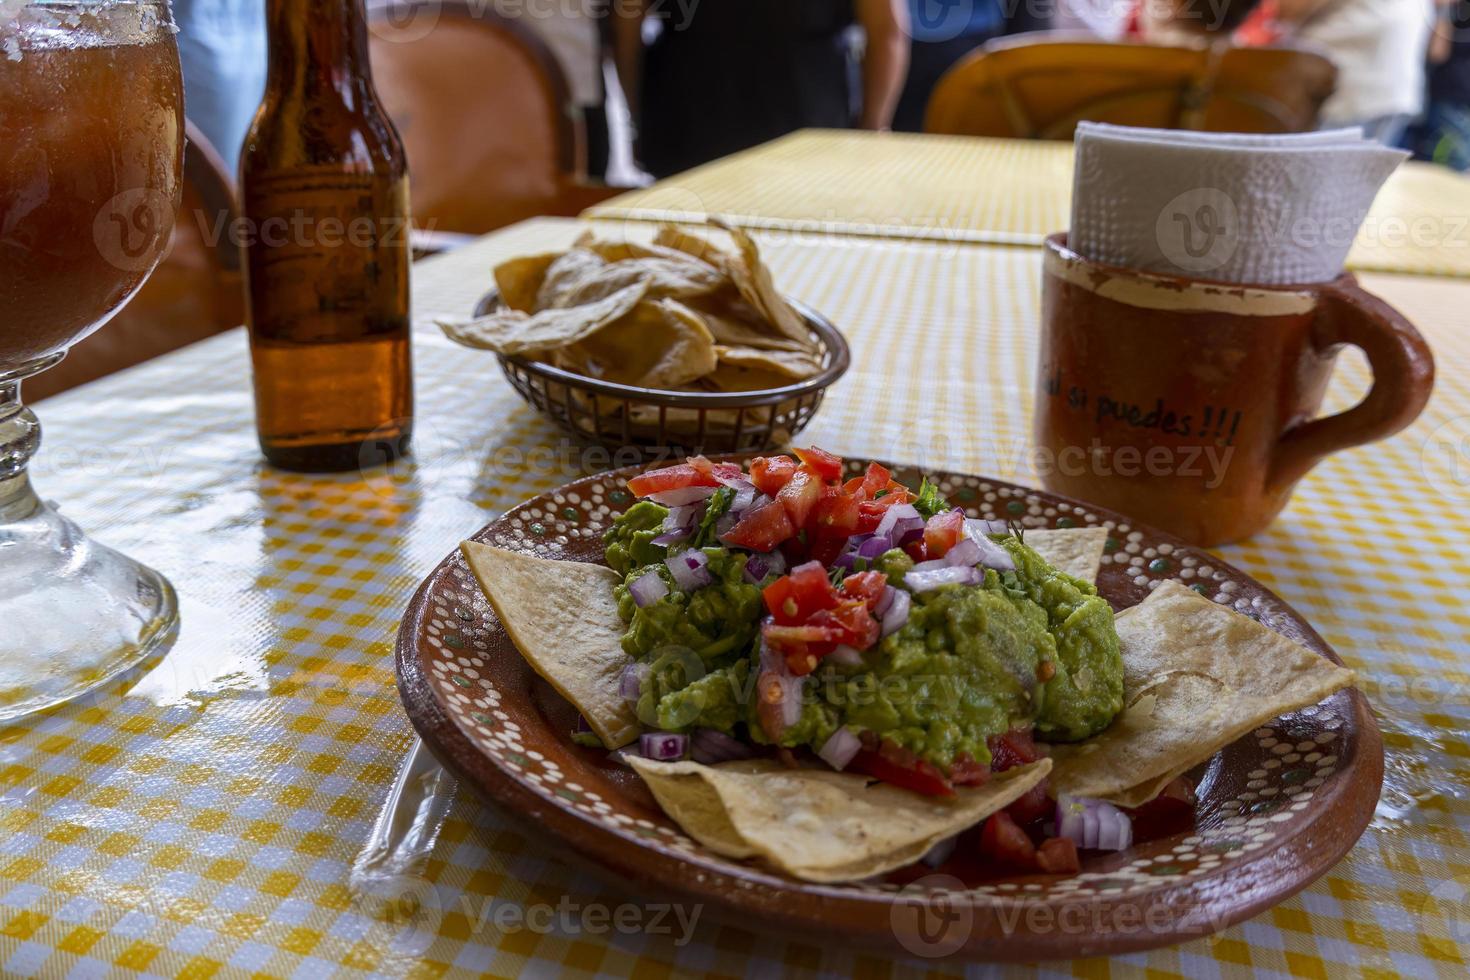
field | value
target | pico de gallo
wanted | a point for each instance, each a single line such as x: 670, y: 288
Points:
x: 796, y: 604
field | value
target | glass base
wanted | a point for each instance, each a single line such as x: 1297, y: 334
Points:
x: 74, y: 614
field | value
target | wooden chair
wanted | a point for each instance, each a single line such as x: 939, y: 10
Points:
x: 195, y: 292
x: 1035, y: 86
x: 484, y: 112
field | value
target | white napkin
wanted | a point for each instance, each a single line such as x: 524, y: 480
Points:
x: 1227, y: 206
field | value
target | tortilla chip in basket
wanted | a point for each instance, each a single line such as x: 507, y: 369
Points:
x: 510, y: 332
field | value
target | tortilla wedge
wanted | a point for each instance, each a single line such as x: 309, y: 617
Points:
x: 819, y: 825
x: 1078, y: 551
x: 563, y: 618
x: 1197, y: 676
x: 512, y: 332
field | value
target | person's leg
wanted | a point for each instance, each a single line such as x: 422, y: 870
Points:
x: 928, y: 62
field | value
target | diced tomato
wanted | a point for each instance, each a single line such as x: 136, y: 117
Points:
x: 835, y: 516
x: 800, y: 494
x: 965, y: 771
x: 1004, y: 842
x: 894, y: 764
x: 675, y: 477
x: 822, y: 463
x: 851, y: 622
x: 1032, y: 806
x: 877, y: 478
x: 825, y: 550
x: 793, y: 598
x: 870, y: 512
x: 761, y: 528
x: 770, y: 473
x: 867, y: 586
x: 769, y: 694
x: 1011, y: 749
x: 1057, y: 856
x: 727, y: 471
x: 1169, y: 813
x: 943, y: 532
x: 916, y: 550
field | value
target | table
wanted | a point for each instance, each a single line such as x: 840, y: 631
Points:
x: 995, y: 191
x: 203, y: 819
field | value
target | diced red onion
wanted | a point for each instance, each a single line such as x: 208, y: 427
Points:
x: 663, y: 746
x: 690, y: 569
x: 1093, y: 824
x: 846, y: 656
x: 672, y: 537
x: 630, y: 681
x: 941, y: 852
x: 710, y: 746
x: 582, y: 727
x: 682, y: 496
x: 683, y: 517
x: 897, y: 613
x: 744, y: 497
x: 791, y: 700
x: 885, y: 601
x: 648, y: 588
x: 839, y: 749
x: 735, y: 480
x: 979, y: 526
x: 926, y: 580
x: 887, y: 527
x: 773, y: 667
x: 966, y: 551
x: 874, y: 547
x: 992, y: 555
x: 932, y: 565
x: 757, y: 567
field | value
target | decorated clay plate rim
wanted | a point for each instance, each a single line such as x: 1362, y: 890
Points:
x: 1137, y: 556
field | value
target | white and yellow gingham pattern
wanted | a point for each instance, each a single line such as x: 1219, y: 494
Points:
x: 993, y: 191
x: 203, y: 821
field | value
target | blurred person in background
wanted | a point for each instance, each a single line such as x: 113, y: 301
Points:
x: 222, y: 48
x: 1379, y: 47
x: 570, y: 29
x: 1443, y: 135
x: 1188, y: 22
x: 945, y: 31
x: 719, y: 76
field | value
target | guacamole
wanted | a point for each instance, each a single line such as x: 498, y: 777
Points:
x: 1032, y: 646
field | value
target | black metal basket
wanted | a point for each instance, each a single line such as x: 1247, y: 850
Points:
x: 659, y: 422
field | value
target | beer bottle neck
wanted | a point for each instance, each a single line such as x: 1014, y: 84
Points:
x: 319, y: 47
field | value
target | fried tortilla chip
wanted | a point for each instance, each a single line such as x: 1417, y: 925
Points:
x: 795, y: 365
x: 757, y: 287
x: 513, y: 332
x: 658, y: 344
x: 733, y: 331
x: 819, y: 825
x: 565, y: 275
x: 1078, y: 551
x: 563, y: 618
x: 628, y: 251
x: 667, y: 278
x: 519, y: 280
x: 676, y: 238
x: 1196, y: 677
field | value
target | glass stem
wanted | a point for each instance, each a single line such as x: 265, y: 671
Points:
x: 20, y: 437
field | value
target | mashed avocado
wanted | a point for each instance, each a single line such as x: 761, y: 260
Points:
x: 1033, y: 645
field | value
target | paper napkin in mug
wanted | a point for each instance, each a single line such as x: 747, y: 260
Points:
x: 1226, y: 206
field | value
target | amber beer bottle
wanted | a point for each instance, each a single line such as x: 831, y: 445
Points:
x: 324, y: 189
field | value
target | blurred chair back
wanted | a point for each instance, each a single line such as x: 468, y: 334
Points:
x: 195, y: 292
x: 1038, y: 86
x: 484, y: 112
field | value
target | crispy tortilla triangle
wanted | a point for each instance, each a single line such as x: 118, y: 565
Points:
x: 563, y: 618
x: 819, y: 825
x: 1196, y: 676
x: 1078, y: 551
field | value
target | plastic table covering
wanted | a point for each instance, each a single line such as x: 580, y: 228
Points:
x: 994, y: 191
x: 202, y: 818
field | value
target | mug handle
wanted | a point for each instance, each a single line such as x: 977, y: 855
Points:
x: 1403, y: 376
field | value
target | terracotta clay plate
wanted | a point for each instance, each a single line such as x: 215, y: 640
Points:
x: 1276, y: 809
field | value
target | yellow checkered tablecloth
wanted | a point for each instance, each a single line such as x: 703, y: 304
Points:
x: 203, y: 820
x: 993, y: 191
